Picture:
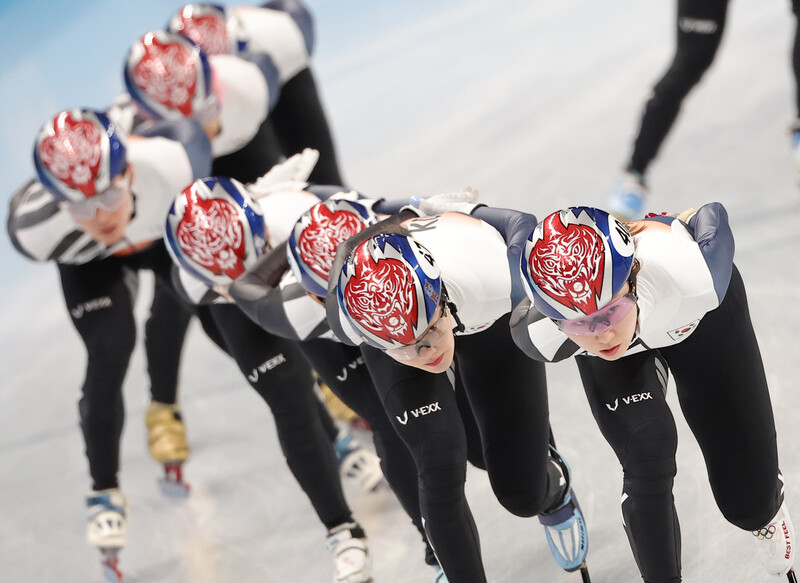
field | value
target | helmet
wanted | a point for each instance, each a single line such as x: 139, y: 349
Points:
x: 78, y: 154
x: 575, y: 261
x: 211, y: 27
x: 316, y: 235
x: 168, y: 77
x: 215, y: 230
x: 389, y: 290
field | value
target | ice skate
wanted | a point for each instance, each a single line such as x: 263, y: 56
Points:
x: 352, y: 561
x: 440, y: 577
x: 627, y: 199
x: 775, y: 544
x: 166, y: 436
x: 565, y: 526
x: 356, y: 463
x: 337, y: 409
x: 108, y: 524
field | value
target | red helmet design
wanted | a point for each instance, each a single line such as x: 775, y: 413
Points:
x: 211, y: 234
x: 381, y: 296
x: 72, y: 150
x: 318, y: 242
x: 568, y: 263
x: 206, y: 26
x: 167, y: 73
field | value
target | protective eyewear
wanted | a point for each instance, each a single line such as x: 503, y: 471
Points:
x: 598, y: 322
x: 109, y: 200
x: 432, y: 337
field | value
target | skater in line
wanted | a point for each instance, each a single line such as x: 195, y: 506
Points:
x: 272, y: 296
x: 282, y: 30
x: 430, y: 298
x: 632, y: 303
x: 99, y: 217
x: 214, y: 231
x: 699, y: 28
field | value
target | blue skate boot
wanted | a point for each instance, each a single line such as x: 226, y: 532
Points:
x: 565, y: 527
x: 440, y: 577
x: 627, y: 199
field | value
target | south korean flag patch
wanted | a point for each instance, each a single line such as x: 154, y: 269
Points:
x: 679, y: 334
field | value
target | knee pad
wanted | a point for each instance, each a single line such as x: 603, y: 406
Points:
x: 649, y: 458
x: 442, y: 465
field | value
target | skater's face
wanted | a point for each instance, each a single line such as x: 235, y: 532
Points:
x: 105, y: 216
x: 611, y: 342
x: 434, y: 350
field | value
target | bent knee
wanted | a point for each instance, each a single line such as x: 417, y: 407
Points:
x: 442, y: 465
x: 649, y: 457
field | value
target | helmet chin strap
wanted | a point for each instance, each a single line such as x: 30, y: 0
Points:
x: 453, y: 310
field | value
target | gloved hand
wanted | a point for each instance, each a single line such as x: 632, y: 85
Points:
x: 293, y: 173
x: 459, y: 202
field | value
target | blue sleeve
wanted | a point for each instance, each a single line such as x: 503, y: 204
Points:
x: 268, y: 68
x: 515, y: 227
x: 190, y: 133
x: 710, y: 228
x: 301, y: 16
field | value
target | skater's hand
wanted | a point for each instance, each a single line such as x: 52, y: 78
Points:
x: 293, y: 173
x: 463, y: 201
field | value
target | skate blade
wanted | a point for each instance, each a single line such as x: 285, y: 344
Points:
x: 172, y: 484
x: 110, y: 565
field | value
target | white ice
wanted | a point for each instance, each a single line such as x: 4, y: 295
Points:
x: 535, y: 104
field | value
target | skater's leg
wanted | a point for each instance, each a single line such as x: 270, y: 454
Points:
x: 300, y: 122
x: 343, y: 368
x: 165, y: 333
x: 699, y: 31
x: 643, y: 435
x: 727, y: 405
x: 423, y: 410
x: 276, y: 369
x: 100, y: 305
x: 511, y: 409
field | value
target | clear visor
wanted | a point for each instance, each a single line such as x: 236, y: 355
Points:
x: 598, y: 322
x: 432, y: 337
x: 109, y: 200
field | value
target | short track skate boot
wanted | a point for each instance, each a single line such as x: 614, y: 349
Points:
x: 166, y: 437
x: 352, y: 561
x: 357, y: 463
x: 565, y: 526
x: 775, y: 544
x: 627, y: 199
x: 108, y: 525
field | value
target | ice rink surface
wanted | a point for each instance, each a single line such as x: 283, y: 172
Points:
x: 533, y: 103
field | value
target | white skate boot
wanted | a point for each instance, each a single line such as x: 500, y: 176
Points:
x: 357, y: 463
x: 166, y: 437
x: 108, y: 525
x: 627, y: 199
x: 352, y: 561
x: 775, y: 544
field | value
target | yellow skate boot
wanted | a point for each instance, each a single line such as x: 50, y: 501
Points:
x: 166, y: 438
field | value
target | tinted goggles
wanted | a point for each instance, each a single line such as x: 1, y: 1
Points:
x: 432, y: 337
x: 109, y: 200
x: 598, y: 322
